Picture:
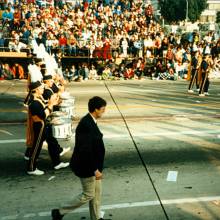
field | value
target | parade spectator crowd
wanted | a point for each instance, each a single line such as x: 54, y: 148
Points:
x: 109, y: 30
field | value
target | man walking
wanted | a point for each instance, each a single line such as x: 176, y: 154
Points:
x: 87, y: 161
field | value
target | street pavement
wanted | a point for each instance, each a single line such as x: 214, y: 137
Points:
x: 150, y: 129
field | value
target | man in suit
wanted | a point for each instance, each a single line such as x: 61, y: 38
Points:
x: 87, y: 161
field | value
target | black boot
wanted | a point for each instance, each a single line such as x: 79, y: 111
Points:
x: 55, y: 213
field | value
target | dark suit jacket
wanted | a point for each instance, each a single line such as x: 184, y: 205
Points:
x: 89, y: 151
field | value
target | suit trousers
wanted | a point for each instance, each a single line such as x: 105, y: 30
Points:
x: 92, y: 190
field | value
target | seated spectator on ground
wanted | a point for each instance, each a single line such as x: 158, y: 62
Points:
x: 179, y: 69
x: 73, y: 72
x: 18, y: 71
x: 7, y: 72
x: 106, y: 74
x: 129, y: 73
x: 83, y: 72
x: 67, y: 74
x: 139, y: 68
x: 93, y: 73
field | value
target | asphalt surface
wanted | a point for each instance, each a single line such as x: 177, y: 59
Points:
x: 150, y: 128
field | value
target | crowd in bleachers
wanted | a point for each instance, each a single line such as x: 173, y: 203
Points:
x: 107, y: 30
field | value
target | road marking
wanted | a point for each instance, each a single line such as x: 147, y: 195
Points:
x: 42, y: 214
x: 6, y: 132
x: 10, y: 217
x: 172, y: 176
x: 12, y: 141
x: 149, y: 104
x: 30, y: 215
x: 140, y: 135
x: 126, y: 205
x: 52, y: 177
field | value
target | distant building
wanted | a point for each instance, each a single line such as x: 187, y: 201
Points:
x: 209, y: 15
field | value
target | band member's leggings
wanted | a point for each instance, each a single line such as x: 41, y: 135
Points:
x: 43, y: 132
x: 205, y: 83
x: 194, y: 78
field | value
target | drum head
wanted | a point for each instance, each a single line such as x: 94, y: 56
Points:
x: 60, y: 121
x: 59, y: 114
x: 67, y: 96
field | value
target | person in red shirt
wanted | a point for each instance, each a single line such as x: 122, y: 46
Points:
x: 62, y: 43
x: 107, y: 50
x: 17, y: 18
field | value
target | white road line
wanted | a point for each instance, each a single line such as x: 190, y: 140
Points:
x: 12, y: 141
x: 6, y: 132
x: 140, y: 135
x: 29, y: 215
x: 126, y: 205
x: 10, y: 217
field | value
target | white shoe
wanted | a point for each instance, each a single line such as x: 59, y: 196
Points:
x: 190, y: 91
x: 26, y: 158
x: 197, y: 90
x: 202, y: 95
x: 206, y: 93
x: 65, y: 150
x: 61, y: 165
x: 36, y: 172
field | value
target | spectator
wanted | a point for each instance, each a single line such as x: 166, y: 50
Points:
x: 67, y: 74
x: 93, y: 73
x: 7, y: 72
x: 7, y: 17
x: 62, y: 43
x: 18, y: 71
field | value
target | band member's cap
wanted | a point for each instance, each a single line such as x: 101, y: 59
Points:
x: 47, y: 77
x: 35, y: 85
x: 43, y: 66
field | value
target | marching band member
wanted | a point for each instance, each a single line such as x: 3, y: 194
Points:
x: 34, y: 75
x: 195, y: 64
x: 48, y: 93
x: 40, y: 111
x: 205, y: 67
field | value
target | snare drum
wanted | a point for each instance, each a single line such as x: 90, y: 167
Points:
x: 66, y: 97
x: 68, y: 102
x: 62, y: 128
x: 59, y: 114
x: 69, y: 108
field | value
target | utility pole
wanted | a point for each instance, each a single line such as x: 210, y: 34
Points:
x: 187, y: 10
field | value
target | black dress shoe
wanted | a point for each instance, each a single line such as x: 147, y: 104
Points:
x: 104, y: 219
x: 55, y: 213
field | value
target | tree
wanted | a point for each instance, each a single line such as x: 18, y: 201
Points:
x: 175, y: 10
x: 218, y: 17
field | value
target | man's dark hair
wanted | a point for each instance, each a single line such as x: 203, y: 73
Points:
x: 96, y: 103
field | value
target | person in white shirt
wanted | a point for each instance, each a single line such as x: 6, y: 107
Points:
x: 124, y: 45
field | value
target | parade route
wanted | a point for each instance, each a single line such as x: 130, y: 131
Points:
x: 162, y: 148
